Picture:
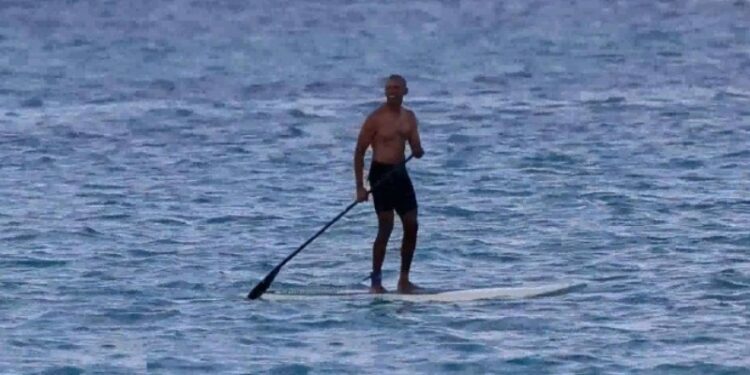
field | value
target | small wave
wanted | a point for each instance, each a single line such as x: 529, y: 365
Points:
x: 206, y: 199
x: 34, y: 263
x: 261, y: 90
x: 169, y: 221
x: 98, y: 275
x: 102, y: 186
x: 184, y: 285
x: 737, y: 240
x: 89, y: 232
x: 106, y: 198
x: 610, y: 100
x: 141, y: 253
x: 669, y: 53
x: 293, y: 131
x: 491, y: 80
x: 63, y: 370
x: 685, y: 163
x: 674, y: 114
x: 460, y: 138
x: 32, y: 103
x: 453, y: 211
x: 187, y: 365
x: 731, y: 94
x: 21, y: 237
x: 743, y: 154
x: 548, y: 159
x: 108, y: 217
x: 541, y: 171
x: 291, y: 369
x: 21, y: 140
x: 615, y: 58
x: 76, y: 134
x: 190, y: 163
x: 105, y: 100
x: 163, y: 84
x: 692, y: 177
x: 731, y: 279
x: 184, y: 112
x: 242, y: 219
x: 237, y: 150
x: 298, y: 113
x: 698, y: 340
x: 131, y: 317
x: 697, y: 368
x: 729, y: 284
x: 169, y: 241
x: 319, y: 87
x: 726, y: 296
x: 45, y: 160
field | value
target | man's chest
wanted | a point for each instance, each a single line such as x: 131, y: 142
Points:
x: 392, y: 127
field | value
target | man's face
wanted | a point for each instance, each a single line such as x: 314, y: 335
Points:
x: 394, y: 91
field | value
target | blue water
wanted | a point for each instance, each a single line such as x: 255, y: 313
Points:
x: 157, y: 159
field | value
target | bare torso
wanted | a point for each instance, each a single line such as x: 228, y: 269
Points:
x: 392, y: 129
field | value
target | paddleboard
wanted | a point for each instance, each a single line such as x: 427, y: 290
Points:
x: 465, y: 295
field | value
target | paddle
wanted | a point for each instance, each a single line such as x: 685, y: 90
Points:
x: 266, y: 283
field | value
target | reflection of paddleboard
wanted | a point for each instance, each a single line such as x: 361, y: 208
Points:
x: 516, y: 292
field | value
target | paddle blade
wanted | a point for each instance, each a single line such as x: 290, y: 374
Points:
x: 263, y: 286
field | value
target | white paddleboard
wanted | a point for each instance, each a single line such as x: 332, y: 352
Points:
x: 516, y: 292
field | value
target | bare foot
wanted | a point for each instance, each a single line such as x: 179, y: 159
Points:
x: 406, y: 287
x: 378, y: 289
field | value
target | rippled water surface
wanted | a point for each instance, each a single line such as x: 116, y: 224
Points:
x: 158, y: 159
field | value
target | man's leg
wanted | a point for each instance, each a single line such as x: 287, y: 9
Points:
x: 385, y: 227
x: 408, y: 244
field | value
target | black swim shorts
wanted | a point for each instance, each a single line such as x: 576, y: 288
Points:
x: 395, y: 191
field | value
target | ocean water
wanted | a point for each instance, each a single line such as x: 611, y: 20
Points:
x: 158, y: 159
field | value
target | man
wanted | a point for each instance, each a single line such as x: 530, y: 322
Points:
x: 387, y: 129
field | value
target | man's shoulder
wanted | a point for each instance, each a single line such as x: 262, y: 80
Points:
x: 377, y: 112
x: 409, y: 112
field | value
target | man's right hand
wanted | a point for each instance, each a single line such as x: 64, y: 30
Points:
x: 361, y: 194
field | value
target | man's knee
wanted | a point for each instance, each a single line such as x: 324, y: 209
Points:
x: 410, y: 221
x: 384, y: 230
x: 385, y: 222
x: 411, y: 226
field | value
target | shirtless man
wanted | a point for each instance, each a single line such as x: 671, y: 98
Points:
x: 387, y: 129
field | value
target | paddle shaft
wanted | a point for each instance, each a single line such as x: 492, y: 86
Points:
x: 263, y: 285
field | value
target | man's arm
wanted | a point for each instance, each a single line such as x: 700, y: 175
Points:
x: 366, y: 135
x: 414, y: 142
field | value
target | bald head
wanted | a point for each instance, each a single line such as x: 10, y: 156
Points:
x: 399, y: 78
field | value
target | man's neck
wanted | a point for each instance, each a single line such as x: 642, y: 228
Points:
x: 393, y: 107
